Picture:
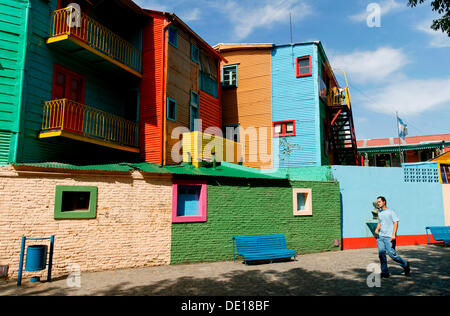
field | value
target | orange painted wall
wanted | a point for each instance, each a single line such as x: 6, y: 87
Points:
x: 250, y: 105
x: 182, y: 78
x: 151, y: 91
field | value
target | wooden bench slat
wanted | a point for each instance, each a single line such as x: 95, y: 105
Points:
x: 262, y: 247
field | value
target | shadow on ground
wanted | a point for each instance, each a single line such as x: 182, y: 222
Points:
x: 430, y: 276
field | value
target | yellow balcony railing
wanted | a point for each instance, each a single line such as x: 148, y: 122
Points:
x: 78, y: 119
x: 97, y: 36
x: 199, y: 147
x: 339, y: 96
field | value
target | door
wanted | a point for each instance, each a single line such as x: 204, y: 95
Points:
x: 68, y: 89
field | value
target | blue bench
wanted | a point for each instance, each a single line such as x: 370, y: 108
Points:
x: 261, y: 247
x: 440, y: 233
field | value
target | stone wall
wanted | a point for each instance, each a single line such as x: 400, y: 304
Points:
x: 259, y: 207
x: 132, y: 227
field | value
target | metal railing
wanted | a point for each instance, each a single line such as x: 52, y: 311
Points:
x: 70, y: 116
x: 97, y: 36
x: 339, y: 96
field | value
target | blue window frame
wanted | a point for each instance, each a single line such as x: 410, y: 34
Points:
x: 195, y: 53
x: 229, y: 76
x: 171, y: 109
x: 173, y: 36
x: 188, y: 200
x: 194, y: 111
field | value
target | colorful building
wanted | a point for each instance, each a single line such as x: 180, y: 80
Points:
x: 414, y: 192
x: 180, y: 88
x: 171, y: 214
x: 389, y: 152
x: 287, y: 93
x: 70, y: 80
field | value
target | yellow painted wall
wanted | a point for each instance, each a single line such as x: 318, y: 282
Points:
x: 446, y: 194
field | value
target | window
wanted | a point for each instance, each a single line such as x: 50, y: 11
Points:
x: 189, y: 201
x: 194, y: 111
x: 75, y: 202
x: 173, y: 36
x: 302, y: 200
x: 171, y: 109
x: 229, y: 76
x: 194, y: 53
x: 445, y: 173
x: 284, y: 128
x: 304, y: 66
x: 231, y: 132
x: 194, y: 99
x: 67, y: 85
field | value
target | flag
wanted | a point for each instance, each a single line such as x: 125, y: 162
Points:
x: 402, y: 128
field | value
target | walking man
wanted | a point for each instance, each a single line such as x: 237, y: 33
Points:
x: 387, y: 234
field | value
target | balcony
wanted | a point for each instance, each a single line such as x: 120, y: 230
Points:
x: 65, y: 118
x: 93, y: 42
x: 200, y: 147
x: 339, y: 96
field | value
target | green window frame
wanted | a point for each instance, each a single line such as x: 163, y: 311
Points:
x: 173, y: 36
x: 63, y: 192
x: 230, y: 76
x: 194, y: 99
x: 171, y: 109
x: 195, y: 53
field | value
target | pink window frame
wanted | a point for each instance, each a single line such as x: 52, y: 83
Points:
x: 202, y: 202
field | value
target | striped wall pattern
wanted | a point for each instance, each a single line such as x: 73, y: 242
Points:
x: 297, y: 99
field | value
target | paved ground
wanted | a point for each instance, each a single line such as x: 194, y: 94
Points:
x: 331, y: 273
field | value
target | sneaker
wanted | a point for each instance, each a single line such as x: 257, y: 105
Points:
x: 385, y: 275
x: 407, y: 269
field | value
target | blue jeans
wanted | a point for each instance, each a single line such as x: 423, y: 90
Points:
x: 385, y: 245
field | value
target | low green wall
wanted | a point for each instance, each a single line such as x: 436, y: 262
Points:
x: 254, y: 207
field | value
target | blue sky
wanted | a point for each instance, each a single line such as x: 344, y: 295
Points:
x: 402, y: 65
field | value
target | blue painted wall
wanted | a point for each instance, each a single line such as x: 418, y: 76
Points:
x: 418, y: 204
x: 297, y: 99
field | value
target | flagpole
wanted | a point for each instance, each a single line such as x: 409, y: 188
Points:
x: 399, y: 141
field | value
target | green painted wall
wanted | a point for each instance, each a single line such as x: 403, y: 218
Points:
x: 13, y: 26
x: 241, y: 207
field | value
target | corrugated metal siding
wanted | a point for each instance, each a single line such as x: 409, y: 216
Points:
x: 12, y: 36
x: 5, y: 141
x: 250, y: 105
x: 103, y: 91
x: 210, y: 111
x: 297, y: 99
x: 151, y: 91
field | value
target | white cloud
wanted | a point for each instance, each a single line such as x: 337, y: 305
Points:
x: 192, y: 15
x: 438, y: 38
x: 370, y: 66
x: 265, y: 14
x: 410, y: 97
x: 386, y: 7
x: 152, y: 5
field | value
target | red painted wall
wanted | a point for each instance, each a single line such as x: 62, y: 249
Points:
x: 210, y: 111
x: 151, y: 91
x: 370, y: 242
